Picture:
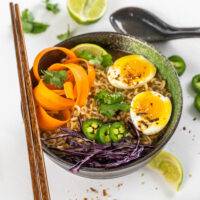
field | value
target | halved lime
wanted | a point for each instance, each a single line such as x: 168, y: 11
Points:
x: 170, y: 167
x: 94, y: 49
x: 87, y: 11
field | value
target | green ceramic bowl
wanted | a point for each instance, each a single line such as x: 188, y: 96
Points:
x: 131, y: 45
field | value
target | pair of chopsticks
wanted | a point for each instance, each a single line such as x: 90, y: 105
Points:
x: 36, y: 159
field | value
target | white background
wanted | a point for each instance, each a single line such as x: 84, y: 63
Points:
x: 15, y: 183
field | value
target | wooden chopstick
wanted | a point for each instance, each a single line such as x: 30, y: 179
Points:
x: 36, y: 159
x: 29, y: 139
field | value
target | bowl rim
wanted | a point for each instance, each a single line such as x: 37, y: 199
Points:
x: 146, y: 157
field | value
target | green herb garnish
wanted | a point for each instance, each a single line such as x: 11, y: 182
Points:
x: 103, y: 60
x: 106, y: 60
x: 66, y: 35
x: 29, y: 25
x: 104, y: 97
x: 197, y: 102
x: 196, y: 83
x: 55, y: 78
x: 109, y: 104
x: 178, y: 63
x: 109, y: 110
x: 96, y: 60
x: 85, y: 55
x: 52, y: 7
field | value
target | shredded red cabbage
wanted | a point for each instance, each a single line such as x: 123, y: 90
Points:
x: 55, y: 137
x: 71, y: 132
x: 79, y: 164
x: 125, y: 160
x: 70, y: 151
x: 134, y: 129
x: 80, y: 123
x: 90, y: 154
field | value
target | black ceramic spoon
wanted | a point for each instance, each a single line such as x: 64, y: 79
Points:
x: 143, y: 24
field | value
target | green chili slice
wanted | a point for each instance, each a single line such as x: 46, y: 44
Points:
x: 90, y: 128
x: 196, y: 83
x: 103, y: 134
x: 197, y: 102
x: 117, y: 131
x: 178, y: 64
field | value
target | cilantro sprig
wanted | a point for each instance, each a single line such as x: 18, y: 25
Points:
x: 103, y: 60
x: 66, y: 35
x: 110, y: 104
x: 55, y: 78
x: 29, y: 25
x: 104, y: 97
x: 52, y: 7
x: 110, y: 110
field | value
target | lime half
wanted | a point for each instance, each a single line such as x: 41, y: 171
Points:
x: 93, y: 49
x: 169, y: 166
x: 87, y: 11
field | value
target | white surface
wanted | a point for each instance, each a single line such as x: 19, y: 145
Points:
x: 15, y: 183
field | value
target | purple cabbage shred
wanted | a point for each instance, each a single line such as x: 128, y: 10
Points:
x: 90, y: 154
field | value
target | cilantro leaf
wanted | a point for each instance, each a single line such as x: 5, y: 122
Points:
x: 55, y: 78
x: 109, y: 110
x: 27, y: 16
x: 106, y: 60
x: 109, y: 104
x: 66, y: 35
x: 85, y: 55
x: 104, y: 97
x: 52, y: 7
x: 39, y: 27
x: 97, y: 60
x: 103, y: 60
x: 29, y: 25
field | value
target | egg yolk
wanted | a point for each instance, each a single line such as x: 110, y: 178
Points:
x: 152, y: 108
x: 134, y: 68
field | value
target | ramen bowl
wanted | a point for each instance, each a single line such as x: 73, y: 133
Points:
x: 115, y: 42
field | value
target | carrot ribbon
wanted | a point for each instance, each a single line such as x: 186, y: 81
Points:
x: 74, y: 92
x: 68, y: 90
x: 90, y: 68
x: 70, y: 54
x: 47, y: 122
x: 81, y: 80
x: 49, y: 99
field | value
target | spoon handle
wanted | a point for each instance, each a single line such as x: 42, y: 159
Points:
x: 185, y: 32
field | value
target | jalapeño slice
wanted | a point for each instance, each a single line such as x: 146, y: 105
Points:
x: 197, y: 102
x: 103, y: 134
x: 196, y: 83
x: 90, y: 128
x: 178, y: 64
x: 117, y: 131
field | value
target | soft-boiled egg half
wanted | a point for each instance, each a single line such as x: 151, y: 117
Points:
x: 130, y: 71
x: 150, y: 112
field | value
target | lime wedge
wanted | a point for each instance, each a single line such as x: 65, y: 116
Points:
x: 169, y: 166
x: 94, y: 49
x: 87, y: 11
